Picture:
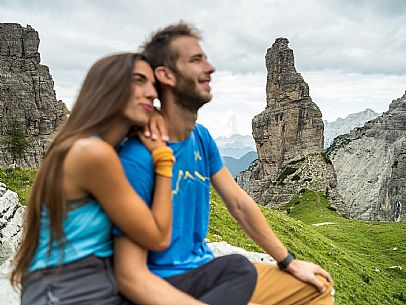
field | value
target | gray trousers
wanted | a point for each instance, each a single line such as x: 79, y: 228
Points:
x: 87, y: 281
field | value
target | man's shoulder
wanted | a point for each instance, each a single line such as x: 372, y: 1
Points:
x: 200, y: 127
x: 201, y: 131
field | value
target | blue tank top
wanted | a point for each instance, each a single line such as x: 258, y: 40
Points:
x: 87, y: 229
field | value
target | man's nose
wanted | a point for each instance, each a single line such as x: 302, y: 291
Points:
x: 210, y: 68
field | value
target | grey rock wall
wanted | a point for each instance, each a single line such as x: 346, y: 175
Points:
x: 27, y: 91
x: 370, y: 163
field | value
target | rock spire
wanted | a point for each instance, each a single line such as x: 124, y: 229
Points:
x: 288, y: 136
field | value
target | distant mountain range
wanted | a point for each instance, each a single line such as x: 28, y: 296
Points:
x: 238, y: 152
x: 236, y: 145
x: 237, y: 165
x: 343, y: 126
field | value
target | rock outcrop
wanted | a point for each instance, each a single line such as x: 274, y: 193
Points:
x: 27, y: 91
x: 343, y: 126
x: 11, y: 222
x: 291, y: 125
x: 288, y: 136
x: 222, y: 248
x: 370, y: 163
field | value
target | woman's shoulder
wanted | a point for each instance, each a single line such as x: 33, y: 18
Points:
x: 91, y: 151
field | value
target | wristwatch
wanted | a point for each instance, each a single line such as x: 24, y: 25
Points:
x: 285, y: 263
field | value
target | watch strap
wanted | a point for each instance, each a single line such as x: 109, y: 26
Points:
x: 285, y: 263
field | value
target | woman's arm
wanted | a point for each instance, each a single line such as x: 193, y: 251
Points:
x: 163, y: 162
x: 138, y: 284
x: 98, y: 171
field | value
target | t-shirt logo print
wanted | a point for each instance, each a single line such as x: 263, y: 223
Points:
x: 197, y: 156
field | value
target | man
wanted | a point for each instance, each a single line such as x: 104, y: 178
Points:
x: 184, y: 76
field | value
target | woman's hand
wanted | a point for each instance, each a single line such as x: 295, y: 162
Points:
x: 150, y: 143
x: 156, y: 128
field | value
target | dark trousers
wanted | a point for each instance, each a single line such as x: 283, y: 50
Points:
x: 227, y: 280
x: 89, y: 281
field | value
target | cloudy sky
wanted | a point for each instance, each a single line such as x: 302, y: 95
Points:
x: 351, y: 53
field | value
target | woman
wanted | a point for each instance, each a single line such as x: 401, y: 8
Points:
x: 64, y: 254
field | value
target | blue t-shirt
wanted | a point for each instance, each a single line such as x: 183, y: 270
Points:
x: 197, y: 159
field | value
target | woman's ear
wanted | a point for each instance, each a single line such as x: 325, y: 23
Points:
x: 165, y: 76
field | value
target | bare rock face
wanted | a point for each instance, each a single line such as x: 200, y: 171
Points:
x: 370, y: 163
x: 26, y: 91
x: 288, y: 136
x: 11, y: 222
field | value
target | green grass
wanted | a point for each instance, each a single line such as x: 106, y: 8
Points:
x: 352, y: 251
x: 18, y: 180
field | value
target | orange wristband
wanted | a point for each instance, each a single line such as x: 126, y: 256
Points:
x: 163, y: 159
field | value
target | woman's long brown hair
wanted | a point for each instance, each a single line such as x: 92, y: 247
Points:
x: 104, y: 94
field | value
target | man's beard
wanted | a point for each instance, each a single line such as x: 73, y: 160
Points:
x: 187, y: 95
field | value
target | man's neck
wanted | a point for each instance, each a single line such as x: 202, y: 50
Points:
x: 180, y: 121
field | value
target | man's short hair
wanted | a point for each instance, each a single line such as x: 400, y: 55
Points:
x: 157, y: 49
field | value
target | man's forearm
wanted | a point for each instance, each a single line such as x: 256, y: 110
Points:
x: 248, y: 215
x: 256, y: 226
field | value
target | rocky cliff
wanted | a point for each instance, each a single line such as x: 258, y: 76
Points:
x: 26, y: 91
x: 370, y: 163
x: 288, y: 136
x: 343, y: 126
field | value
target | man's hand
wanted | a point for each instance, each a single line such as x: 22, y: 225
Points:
x: 307, y: 272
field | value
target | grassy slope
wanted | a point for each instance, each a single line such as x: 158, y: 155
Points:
x: 18, y: 180
x: 350, y: 250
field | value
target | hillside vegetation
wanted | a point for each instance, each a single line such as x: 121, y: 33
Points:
x: 366, y: 259
x: 358, y: 254
x: 18, y: 180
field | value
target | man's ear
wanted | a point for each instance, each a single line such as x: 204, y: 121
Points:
x: 165, y: 76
